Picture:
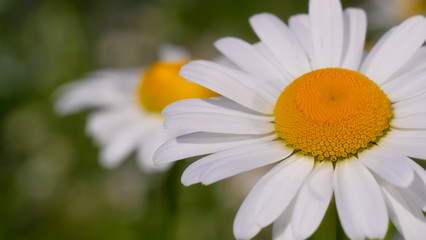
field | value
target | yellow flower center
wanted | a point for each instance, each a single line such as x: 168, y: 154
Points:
x: 161, y: 85
x: 331, y: 113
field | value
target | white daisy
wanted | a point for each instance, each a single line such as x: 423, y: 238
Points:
x: 127, y: 106
x: 331, y: 118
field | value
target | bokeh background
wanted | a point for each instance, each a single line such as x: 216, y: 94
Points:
x: 51, y: 185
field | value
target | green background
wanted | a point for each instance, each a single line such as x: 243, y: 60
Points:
x: 51, y: 185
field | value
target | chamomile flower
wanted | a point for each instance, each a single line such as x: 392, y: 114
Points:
x: 331, y: 117
x: 127, y: 105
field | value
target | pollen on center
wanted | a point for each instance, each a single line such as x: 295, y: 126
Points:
x: 161, y: 85
x: 331, y: 113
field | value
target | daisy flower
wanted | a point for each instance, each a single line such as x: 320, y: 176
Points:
x: 127, y: 106
x: 331, y: 117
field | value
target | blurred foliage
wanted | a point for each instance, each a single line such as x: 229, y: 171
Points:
x: 51, y: 185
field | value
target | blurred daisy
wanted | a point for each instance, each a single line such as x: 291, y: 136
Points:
x: 386, y: 13
x: 128, y: 104
x: 331, y: 119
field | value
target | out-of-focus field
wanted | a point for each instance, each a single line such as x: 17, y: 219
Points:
x: 51, y: 184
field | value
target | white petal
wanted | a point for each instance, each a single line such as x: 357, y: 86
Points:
x: 247, y: 57
x: 417, y: 190
x: 86, y: 94
x: 410, y: 106
x: 359, y: 201
x: 283, y: 233
x: 282, y: 43
x: 265, y: 52
x: 416, y: 63
x: 405, y: 135
x: 218, y: 123
x: 408, y: 196
x: 388, y: 164
x: 407, y: 224
x: 213, y: 105
x: 103, y: 125
x: 421, y: 173
x: 326, y: 20
x: 312, y: 201
x: 409, y: 143
x: 301, y: 27
x: 224, y: 164
x: 77, y: 99
x: 417, y: 121
x: 121, y: 146
x: 233, y: 84
x: 282, y: 228
x: 97, y: 89
x: 405, y: 86
x: 405, y: 203
x: 148, y: 145
x: 271, y: 196
x: 355, y: 22
x: 199, y: 143
x: 394, y: 49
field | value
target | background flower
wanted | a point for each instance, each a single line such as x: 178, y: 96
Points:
x: 126, y: 106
